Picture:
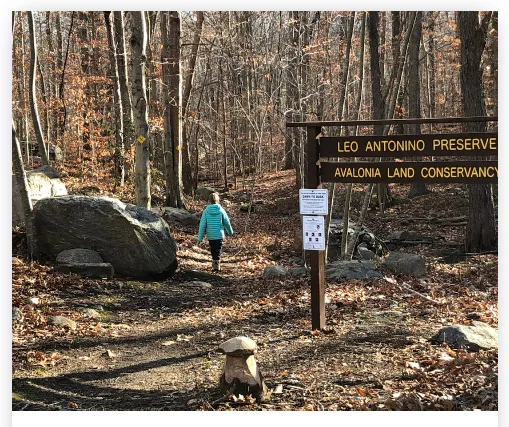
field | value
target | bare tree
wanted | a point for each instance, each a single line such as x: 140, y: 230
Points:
x: 22, y: 184
x: 481, y: 233
x: 33, y: 97
x: 172, y: 77
x: 140, y: 109
x: 414, y: 92
x: 125, y: 95
x: 119, y: 155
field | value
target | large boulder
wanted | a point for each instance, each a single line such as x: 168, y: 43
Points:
x: 42, y: 182
x: 134, y: 240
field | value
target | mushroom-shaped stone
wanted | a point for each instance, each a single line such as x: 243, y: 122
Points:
x: 241, y: 374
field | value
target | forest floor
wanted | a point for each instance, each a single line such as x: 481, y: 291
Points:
x: 154, y: 346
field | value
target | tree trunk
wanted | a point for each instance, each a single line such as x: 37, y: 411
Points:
x: 51, y: 81
x: 346, y: 66
x: 33, y: 97
x: 139, y: 92
x: 172, y: 78
x: 186, y: 167
x: 364, y: 210
x: 374, y: 60
x: 345, y: 253
x: 125, y: 96
x: 414, y: 93
x: 481, y: 233
x: 26, y: 202
x: 119, y: 155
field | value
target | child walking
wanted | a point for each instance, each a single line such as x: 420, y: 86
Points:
x: 213, y: 223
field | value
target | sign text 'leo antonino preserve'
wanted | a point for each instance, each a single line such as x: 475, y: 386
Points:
x: 400, y: 146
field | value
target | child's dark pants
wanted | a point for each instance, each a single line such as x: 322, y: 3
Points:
x: 215, y: 248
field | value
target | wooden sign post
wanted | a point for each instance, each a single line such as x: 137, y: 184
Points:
x: 317, y: 257
x: 395, y: 146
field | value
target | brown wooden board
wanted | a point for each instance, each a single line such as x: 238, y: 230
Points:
x: 470, y: 172
x: 458, y: 144
x: 317, y: 258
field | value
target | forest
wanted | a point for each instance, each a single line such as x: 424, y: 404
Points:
x: 123, y: 125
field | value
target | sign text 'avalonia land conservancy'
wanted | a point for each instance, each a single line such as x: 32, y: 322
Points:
x: 471, y: 144
x: 475, y: 171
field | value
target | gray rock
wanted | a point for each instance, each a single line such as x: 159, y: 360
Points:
x: 405, y: 264
x: 365, y: 253
x: 99, y: 270
x: 62, y: 322
x: 246, y: 208
x: 197, y: 284
x: 181, y: 216
x: 273, y: 271
x: 54, y: 151
x: 42, y: 182
x: 351, y: 270
x: 299, y: 271
x: 135, y: 241
x: 90, y: 312
x: 78, y: 255
x: 203, y: 193
x: 473, y: 337
x: 404, y: 235
x: 17, y: 315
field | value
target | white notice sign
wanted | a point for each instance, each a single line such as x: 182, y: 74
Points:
x: 313, y: 233
x: 313, y: 202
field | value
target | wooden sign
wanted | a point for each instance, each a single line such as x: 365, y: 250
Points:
x: 460, y: 144
x: 470, y: 172
x: 397, y: 146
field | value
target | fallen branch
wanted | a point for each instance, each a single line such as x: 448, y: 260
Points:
x: 408, y: 288
x: 454, y: 219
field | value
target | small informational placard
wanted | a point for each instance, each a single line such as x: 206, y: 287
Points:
x: 313, y: 201
x: 313, y: 233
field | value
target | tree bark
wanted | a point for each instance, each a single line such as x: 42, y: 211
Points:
x: 33, y: 97
x: 414, y: 93
x: 186, y: 167
x: 125, y: 95
x: 481, y: 233
x: 119, y: 154
x: 26, y: 202
x: 139, y: 93
x: 172, y: 77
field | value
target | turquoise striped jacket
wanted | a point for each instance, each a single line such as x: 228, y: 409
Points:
x: 213, y: 223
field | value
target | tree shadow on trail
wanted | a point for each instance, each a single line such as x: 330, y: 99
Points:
x: 75, y: 391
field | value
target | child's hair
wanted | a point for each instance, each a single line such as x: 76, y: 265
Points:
x: 214, y: 198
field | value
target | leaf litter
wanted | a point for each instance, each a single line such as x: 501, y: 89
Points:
x: 161, y: 340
